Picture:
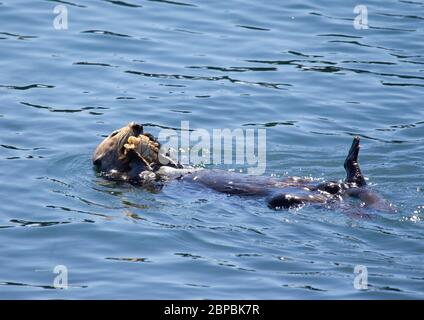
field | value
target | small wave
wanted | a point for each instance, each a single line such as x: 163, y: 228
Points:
x: 296, y: 53
x: 128, y: 259
x: 21, y: 149
x: 94, y: 64
x: 392, y: 84
x: 187, y: 31
x: 272, y: 124
x: 197, y: 285
x: 351, y: 19
x: 414, y: 17
x: 384, y: 288
x: 313, y: 13
x: 336, y: 69
x: 412, y: 2
x: 27, y: 87
x: 240, y: 255
x: 360, y: 44
x: 278, y: 86
x: 307, y: 287
x: 297, y: 63
x: 107, y: 33
x: 17, y: 36
x: 392, y: 29
x: 253, y: 28
x: 403, y: 56
x: 173, y: 85
x: 233, y: 69
x: 376, y: 139
x: 27, y: 157
x: 125, y: 98
x: 69, y: 3
x: 149, y: 124
x: 177, y: 3
x: 51, y: 109
x: 324, y: 133
x: 412, y: 62
x: 77, y: 211
x: 180, y: 111
x: 370, y: 62
x: 26, y: 223
x: 123, y: 3
x: 338, y: 35
x: 21, y: 284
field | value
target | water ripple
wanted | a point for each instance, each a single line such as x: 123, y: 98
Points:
x: 178, y: 3
x: 123, y: 3
x: 77, y: 211
x: 17, y: 36
x: 93, y: 64
x: 106, y: 33
x: 253, y: 28
x: 232, y: 69
x: 414, y: 17
x: 68, y: 3
x: 278, y: 86
x: 52, y: 109
x: 128, y: 259
x: 49, y: 287
x: 27, y: 87
x: 21, y: 149
x: 24, y: 223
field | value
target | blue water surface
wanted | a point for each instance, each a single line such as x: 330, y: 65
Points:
x: 299, y: 69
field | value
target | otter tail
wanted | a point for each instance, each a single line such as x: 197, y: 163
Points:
x: 351, y: 165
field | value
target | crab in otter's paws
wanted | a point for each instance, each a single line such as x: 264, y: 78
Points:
x: 143, y: 147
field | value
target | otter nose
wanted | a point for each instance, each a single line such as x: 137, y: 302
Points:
x: 136, y: 128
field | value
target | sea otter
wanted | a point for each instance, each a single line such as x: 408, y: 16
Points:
x: 129, y: 154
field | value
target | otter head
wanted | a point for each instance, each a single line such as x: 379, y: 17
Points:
x: 109, y: 154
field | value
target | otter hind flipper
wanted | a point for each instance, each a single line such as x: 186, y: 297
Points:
x: 351, y: 165
x: 284, y: 201
x: 290, y: 200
